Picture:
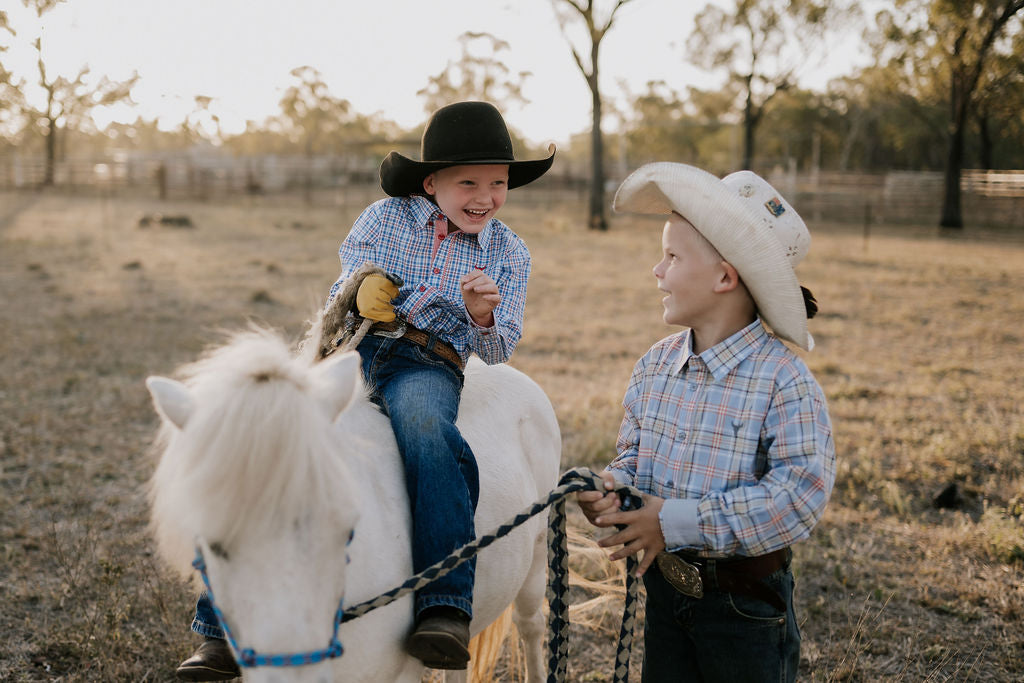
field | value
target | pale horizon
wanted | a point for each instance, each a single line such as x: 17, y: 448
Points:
x: 375, y: 55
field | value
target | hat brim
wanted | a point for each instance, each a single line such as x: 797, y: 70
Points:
x: 725, y: 221
x: 401, y: 176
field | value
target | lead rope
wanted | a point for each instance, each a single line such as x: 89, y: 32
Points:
x: 558, y: 583
x: 357, y: 337
x: 578, y: 479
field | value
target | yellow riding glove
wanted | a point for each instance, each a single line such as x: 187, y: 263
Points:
x: 373, y: 298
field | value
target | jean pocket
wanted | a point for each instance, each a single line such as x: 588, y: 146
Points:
x: 758, y: 609
x: 429, y: 357
x: 432, y: 359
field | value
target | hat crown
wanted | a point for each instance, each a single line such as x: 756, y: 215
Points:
x: 773, y: 212
x: 746, y: 220
x: 466, y: 131
x: 463, y: 133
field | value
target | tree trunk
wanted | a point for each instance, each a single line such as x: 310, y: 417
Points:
x: 952, y: 216
x: 749, y: 125
x: 598, y: 221
x: 985, y: 142
x: 51, y: 152
x: 851, y: 139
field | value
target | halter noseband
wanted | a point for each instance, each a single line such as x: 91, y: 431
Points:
x: 248, y: 657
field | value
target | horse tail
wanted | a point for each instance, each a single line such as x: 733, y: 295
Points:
x: 486, y: 648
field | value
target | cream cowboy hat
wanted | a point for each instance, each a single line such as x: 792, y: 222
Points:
x: 748, y: 222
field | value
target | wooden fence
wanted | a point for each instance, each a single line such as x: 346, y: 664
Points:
x: 990, y: 198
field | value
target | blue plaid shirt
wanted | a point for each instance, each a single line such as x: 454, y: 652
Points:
x: 737, y: 439
x: 398, y: 234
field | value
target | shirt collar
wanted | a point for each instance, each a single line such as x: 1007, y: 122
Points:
x: 424, y: 211
x: 723, y: 357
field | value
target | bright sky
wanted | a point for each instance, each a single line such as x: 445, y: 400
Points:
x: 374, y: 53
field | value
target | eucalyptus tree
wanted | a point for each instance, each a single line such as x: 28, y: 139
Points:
x: 478, y: 74
x: 311, y: 117
x: 596, y: 22
x: 998, y: 105
x: 762, y: 46
x: 949, y: 47
x: 5, y: 78
x: 51, y: 103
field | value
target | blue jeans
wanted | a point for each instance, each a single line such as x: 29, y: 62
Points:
x: 205, y: 622
x: 420, y: 392
x: 722, y: 637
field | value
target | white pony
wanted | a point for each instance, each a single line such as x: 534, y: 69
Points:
x: 269, y: 461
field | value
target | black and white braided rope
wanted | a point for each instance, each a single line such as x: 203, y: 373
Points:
x: 581, y: 479
x: 578, y: 479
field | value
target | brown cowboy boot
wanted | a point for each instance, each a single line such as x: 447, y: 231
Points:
x: 212, y: 661
x: 441, y: 638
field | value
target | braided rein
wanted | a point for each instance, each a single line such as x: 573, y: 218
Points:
x: 577, y: 479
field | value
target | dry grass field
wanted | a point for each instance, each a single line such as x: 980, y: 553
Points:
x: 919, y: 348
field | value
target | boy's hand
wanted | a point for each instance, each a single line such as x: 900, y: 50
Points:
x: 642, y: 531
x: 480, y: 294
x: 595, y: 503
x: 373, y: 298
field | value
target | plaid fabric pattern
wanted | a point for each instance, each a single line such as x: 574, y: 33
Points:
x: 397, y: 233
x: 743, y: 428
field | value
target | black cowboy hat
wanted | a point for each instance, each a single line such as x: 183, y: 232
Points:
x: 464, y: 133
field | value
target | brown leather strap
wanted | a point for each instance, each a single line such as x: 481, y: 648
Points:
x: 753, y: 567
x: 757, y: 567
x: 742, y: 575
x: 440, y: 348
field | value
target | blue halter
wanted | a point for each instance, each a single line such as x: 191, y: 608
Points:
x: 249, y: 658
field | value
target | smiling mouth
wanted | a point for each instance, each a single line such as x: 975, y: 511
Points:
x: 477, y: 212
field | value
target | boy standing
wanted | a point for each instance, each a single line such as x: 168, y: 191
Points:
x: 725, y: 430
x: 464, y: 276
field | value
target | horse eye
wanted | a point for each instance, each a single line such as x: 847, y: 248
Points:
x: 218, y: 550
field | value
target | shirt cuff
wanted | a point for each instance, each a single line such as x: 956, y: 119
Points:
x: 678, y: 519
x: 487, y: 342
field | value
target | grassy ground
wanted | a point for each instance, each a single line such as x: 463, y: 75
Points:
x: 919, y: 344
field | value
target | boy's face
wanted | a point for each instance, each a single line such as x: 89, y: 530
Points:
x: 687, y: 273
x: 469, y: 195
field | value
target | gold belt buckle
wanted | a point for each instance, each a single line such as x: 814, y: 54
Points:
x: 682, y: 575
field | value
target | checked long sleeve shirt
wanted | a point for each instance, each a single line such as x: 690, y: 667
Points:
x: 737, y: 439
x: 401, y: 235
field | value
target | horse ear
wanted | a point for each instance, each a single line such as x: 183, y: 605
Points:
x: 171, y: 399
x: 341, y: 379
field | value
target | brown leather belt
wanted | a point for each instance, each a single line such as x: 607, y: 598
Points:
x: 755, y: 567
x: 399, y: 329
x: 740, y: 575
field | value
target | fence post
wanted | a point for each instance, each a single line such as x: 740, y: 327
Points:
x: 867, y: 224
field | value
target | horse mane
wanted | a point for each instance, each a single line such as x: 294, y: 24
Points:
x: 257, y: 453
